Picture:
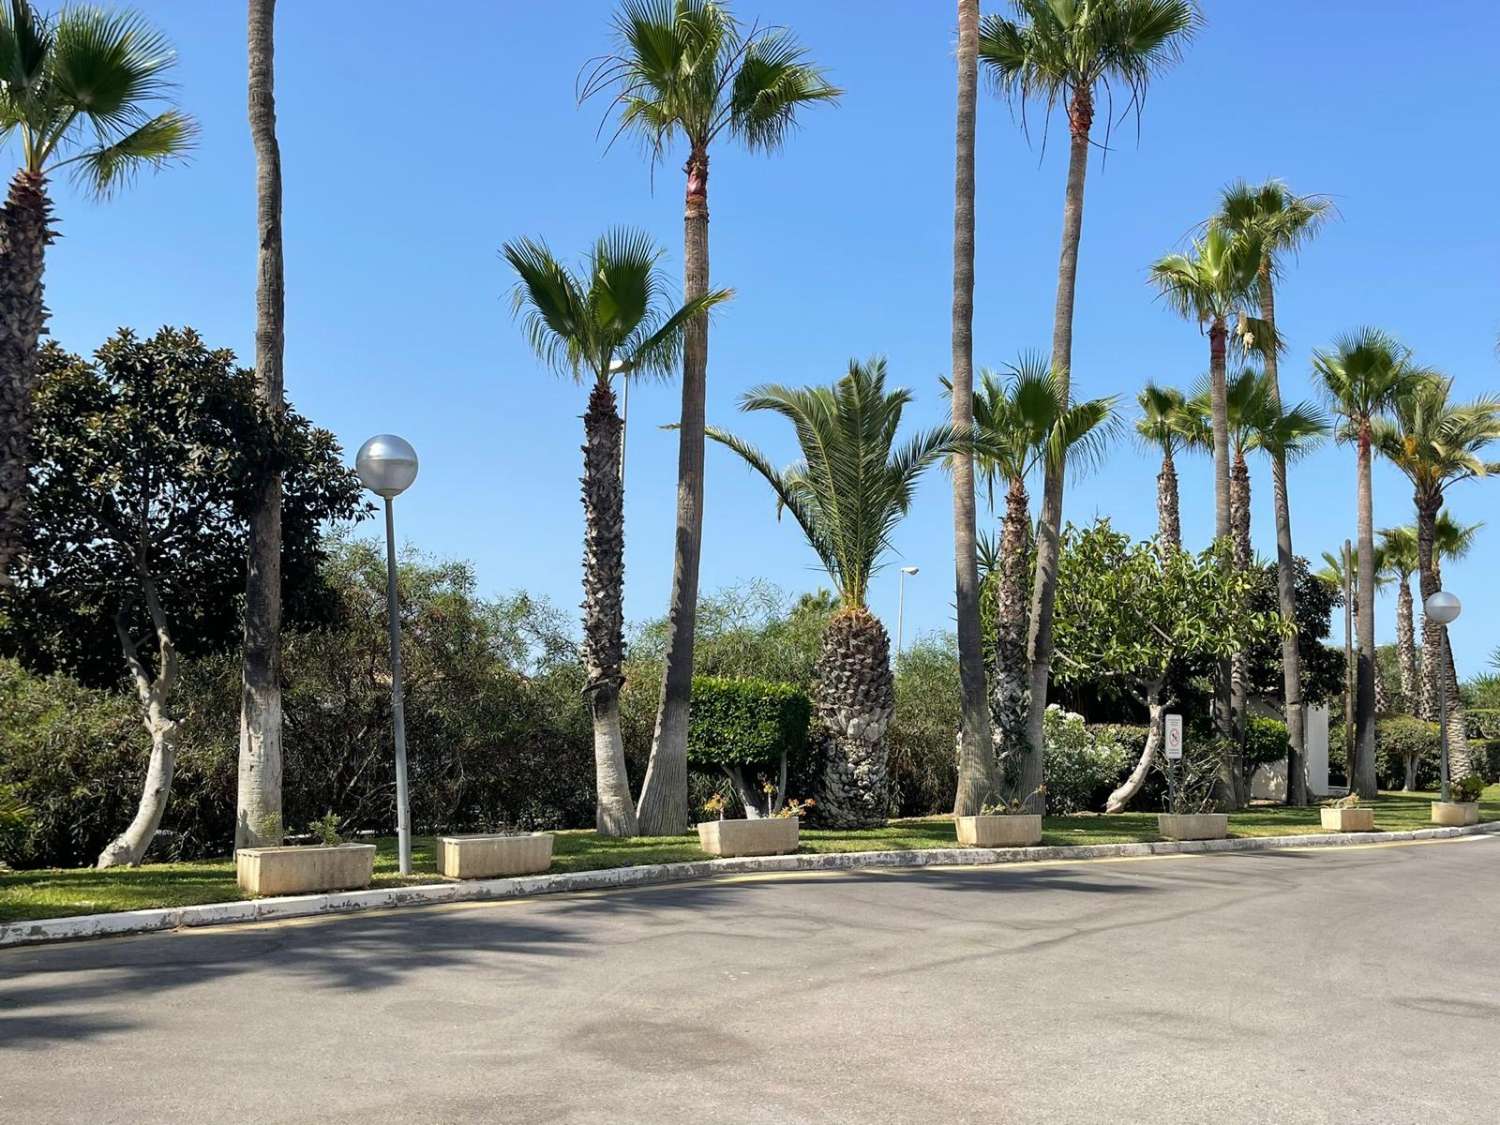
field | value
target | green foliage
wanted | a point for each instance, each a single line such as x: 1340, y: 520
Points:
x: 1080, y: 766
x: 1322, y: 665
x: 1466, y: 788
x: 1266, y: 742
x: 1403, y: 739
x: 1482, y: 722
x: 327, y: 829
x: 15, y: 823
x: 923, y: 764
x: 746, y: 722
x: 1484, y: 753
x: 1188, y: 784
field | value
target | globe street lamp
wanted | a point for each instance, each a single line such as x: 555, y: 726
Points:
x: 387, y: 465
x: 1443, y: 608
x: 906, y: 571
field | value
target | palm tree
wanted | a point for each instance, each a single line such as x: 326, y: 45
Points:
x: 606, y: 319
x: 1061, y: 52
x: 685, y: 70
x: 1438, y: 443
x: 976, y: 760
x: 1161, y: 426
x: 847, y: 494
x: 1020, y: 425
x: 1282, y: 222
x: 77, y: 90
x: 257, y: 820
x: 1364, y: 375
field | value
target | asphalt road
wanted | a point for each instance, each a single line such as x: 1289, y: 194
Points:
x: 1358, y: 985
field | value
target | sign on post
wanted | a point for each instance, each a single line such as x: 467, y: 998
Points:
x: 1174, y: 738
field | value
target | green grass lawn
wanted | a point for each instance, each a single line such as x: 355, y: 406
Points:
x: 53, y: 893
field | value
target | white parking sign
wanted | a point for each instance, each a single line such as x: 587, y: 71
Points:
x: 1174, y: 738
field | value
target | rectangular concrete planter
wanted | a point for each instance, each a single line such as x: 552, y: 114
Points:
x: 1348, y: 820
x: 1193, y: 826
x: 1455, y: 814
x: 490, y: 856
x: 1017, y: 830
x: 775, y: 835
x: 300, y: 871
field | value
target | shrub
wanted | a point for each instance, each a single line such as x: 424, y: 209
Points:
x: 1466, y: 788
x: 1482, y: 722
x: 923, y: 761
x: 743, y: 723
x: 1484, y: 753
x: 1266, y: 742
x: 1079, y: 767
x: 1406, y: 752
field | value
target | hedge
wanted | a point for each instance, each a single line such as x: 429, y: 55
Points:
x: 741, y: 721
x: 1402, y: 737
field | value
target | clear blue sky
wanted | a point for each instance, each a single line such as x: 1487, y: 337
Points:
x: 413, y: 147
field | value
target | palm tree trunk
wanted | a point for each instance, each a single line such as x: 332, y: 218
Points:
x: 976, y: 763
x: 1286, y: 573
x: 663, y: 808
x: 1239, y: 663
x: 1406, y: 646
x: 1228, y: 787
x: 25, y: 232
x: 1364, y: 707
x: 258, y: 804
x: 1008, y: 695
x: 1168, y: 517
x: 1437, y: 655
x: 604, y: 607
x: 854, y: 700
x: 1044, y: 586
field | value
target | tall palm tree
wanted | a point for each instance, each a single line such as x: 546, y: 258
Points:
x: 1161, y: 427
x: 605, y: 320
x: 77, y: 90
x: 684, y: 70
x: 1061, y: 53
x: 1019, y: 425
x: 1438, y: 443
x: 1364, y: 375
x: 1283, y: 222
x: 257, y: 819
x: 848, y: 492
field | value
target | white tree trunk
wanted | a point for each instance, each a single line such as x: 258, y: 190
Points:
x: 615, y: 811
x: 1132, y: 785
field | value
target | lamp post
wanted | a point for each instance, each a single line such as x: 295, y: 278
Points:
x: 906, y: 571
x: 1443, y: 608
x: 387, y: 465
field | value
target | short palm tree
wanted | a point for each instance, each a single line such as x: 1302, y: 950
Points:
x: 685, y: 70
x: 1062, y: 53
x: 606, y: 319
x: 1022, y: 424
x: 1364, y: 374
x: 1161, y: 427
x: 77, y: 90
x: 851, y: 488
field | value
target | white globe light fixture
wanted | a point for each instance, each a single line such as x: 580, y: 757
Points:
x: 386, y: 465
x: 1443, y: 609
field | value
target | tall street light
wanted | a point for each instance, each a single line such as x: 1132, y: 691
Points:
x: 387, y: 465
x: 1443, y: 608
x: 906, y: 572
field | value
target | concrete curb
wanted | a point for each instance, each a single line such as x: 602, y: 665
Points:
x: 303, y: 906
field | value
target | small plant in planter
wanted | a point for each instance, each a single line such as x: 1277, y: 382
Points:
x: 1190, y: 795
x: 493, y: 855
x: 328, y: 865
x: 1462, y: 807
x: 775, y: 834
x: 1003, y: 823
x: 1347, y: 815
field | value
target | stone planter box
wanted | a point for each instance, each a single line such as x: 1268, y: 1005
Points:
x: 1017, y: 830
x: 1455, y: 814
x: 776, y: 835
x: 491, y: 856
x: 1348, y: 820
x: 1193, y: 826
x: 300, y: 871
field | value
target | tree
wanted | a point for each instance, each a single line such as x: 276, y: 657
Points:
x: 1282, y: 222
x: 140, y: 498
x: 1021, y: 425
x: 976, y: 758
x: 1061, y: 52
x: 848, y: 492
x: 606, y: 318
x: 1161, y: 427
x: 77, y: 89
x: 1130, y: 612
x: 1363, y: 375
x: 686, y: 70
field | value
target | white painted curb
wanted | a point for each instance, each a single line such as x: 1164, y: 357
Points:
x: 302, y: 906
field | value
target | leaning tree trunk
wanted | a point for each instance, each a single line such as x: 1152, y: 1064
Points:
x: 604, y: 607
x: 1168, y: 512
x: 854, y: 700
x: 1227, y: 789
x: 1122, y: 796
x: 25, y: 231
x: 976, y: 760
x: 1364, y: 698
x: 1008, y: 693
x: 1406, y: 646
x: 258, y: 803
x: 1049, y: 530
x: 663, y: 807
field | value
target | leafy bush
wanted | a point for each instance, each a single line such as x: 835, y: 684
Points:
x: 15, y: 822
x: 1406, y: 750
x: 741, y: 721
x: 1484, y: 754
x: 1466, y: 788
x: 1482, y: 722
x: 1266, y: 742
x: 923, y: 752
x: 1080, y: 768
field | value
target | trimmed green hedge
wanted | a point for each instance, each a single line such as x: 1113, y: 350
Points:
x: 1266, y: 742
x: 746, y: 722
x: 1399, y: 737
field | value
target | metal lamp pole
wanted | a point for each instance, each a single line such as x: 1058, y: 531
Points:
x: 387, y: 465
x: 906, y: 572
x: 1443, y: 608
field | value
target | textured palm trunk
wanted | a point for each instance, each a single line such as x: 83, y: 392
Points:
x: 1406, y: 645
x: 854, y: 700
x: 976, y: 761
x: 1239, y: 663
x: 1437, y: 657
x: 258, y: 802
x: 1228, y: 786
x: 1049, y: 530
x: 663, y: 808
x: 25, y: 231
x: 1168, y: 510
x: 1125, y: 793
x: 1286, y: 574
x: 1008, y: 692
x: 604, y: 607
x: 1364, y: 695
